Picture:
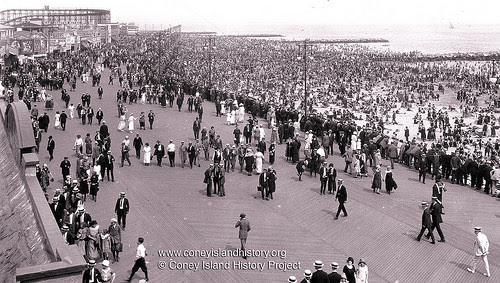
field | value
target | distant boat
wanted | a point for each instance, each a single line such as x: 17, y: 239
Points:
x: 451, y: 26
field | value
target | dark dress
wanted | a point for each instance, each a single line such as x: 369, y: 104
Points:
x: 377, y: 181
x: 350, y: 273
x: 389, y: 182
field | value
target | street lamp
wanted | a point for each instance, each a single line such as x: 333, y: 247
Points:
x: 305, y: 50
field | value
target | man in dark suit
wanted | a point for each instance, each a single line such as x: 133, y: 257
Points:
x: 90, y: 115
x: 159, y: 152
x: 68, y: 237
x: 341, y: 196
x: 121, y: 209
x: 137, y: 145
x: 82, y: 217
x: 196, y: 128
x: 323, y: 177
x: 63, y: 118
x: 103, y: 130
x: 319, y: 276
x: 91, y: 274
x: 208, y: 179
x: 271, y: 182
x: 307, y: 276
x: 334, y: 277
x: 426, y: 222
x: 263, y: 184
x: 244, y: 226
x: 58, y: 211
x: 436, y: 218
x: 261, y: 146
x: 191, y: 151
x: 99, y: 115
x: 51, y: 145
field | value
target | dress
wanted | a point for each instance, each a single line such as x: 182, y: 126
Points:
x: 147, y: 154
x: 362, y: 274
x: 350, y: 273
x: 93, y: 242
x: 259, y: 158
x: 389, y: 181
x: 131, y: 123
x: 57, y: 120
x: 121, y: 124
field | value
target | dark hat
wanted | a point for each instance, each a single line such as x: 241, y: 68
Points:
x: 477, y: 229
x: 362, y: 260
x: 243, y: 215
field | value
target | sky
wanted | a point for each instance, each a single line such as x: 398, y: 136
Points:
x: 221, y: 15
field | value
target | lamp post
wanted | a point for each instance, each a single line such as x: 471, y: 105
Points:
x: 303, y: 50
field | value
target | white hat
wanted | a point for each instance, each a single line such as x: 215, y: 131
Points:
x: 105, y: 263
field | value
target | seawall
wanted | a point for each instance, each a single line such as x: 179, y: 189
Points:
x: 65, y: 263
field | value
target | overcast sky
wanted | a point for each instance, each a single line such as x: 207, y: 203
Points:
x: 219, y: 14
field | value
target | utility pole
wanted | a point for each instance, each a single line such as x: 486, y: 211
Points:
x: 304, y: 48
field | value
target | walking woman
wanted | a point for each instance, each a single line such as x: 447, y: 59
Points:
x: 249, y: 160
x: 377, y: 180
x: 115, y: 235
x: 389, y: 180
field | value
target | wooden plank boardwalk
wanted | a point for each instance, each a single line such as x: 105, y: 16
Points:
x: 170, y: 210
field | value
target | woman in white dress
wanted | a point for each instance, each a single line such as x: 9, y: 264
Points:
x: 241, y: 117
x: 57, y: 120
x: 71, y: 109
x: 233, y: 117
x: 131, y: 120
x: 143, y: 98
x: 121, y: 124
x: 262, y: 133
x: 259, y: 160
x: 147, y: 154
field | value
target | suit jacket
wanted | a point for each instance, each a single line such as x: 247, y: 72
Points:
x: 341, y: 194
x: 436, y: 209
x: 51, y: 145
x: 244, y: 225
x: 58, y: 212
x: 323, y: 172
x: 159, y: 150
x: 208, y: 176
x: 191, y: 150
x: 263, y: 179
x: 320, y: 277
x: 126, y: 205
x: 334, y: 277
x: 426, y: 218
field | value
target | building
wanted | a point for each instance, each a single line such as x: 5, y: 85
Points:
x: 57, y: 18
x: 129, y: 29
x: 6, y: 32
x: 107, y: 32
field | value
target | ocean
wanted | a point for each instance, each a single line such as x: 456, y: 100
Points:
x: 428, y: 39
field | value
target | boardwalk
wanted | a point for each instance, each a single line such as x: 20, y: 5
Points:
x: 170, y: 210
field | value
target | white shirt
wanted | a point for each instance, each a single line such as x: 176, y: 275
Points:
x: 171, y: 147
x: 141, y: 251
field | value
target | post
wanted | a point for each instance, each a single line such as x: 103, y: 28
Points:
x: 305, y: 77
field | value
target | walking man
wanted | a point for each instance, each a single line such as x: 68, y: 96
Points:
x: 437, y: 190
x: 51, y: 145
x: 140, y: 260
x: 125, y: 154
x: 341, y: 196
x: 208, y: 179
x: 426, y: 222
x: 481, y: 249
x: 121, y: 209
x: 436, y: 219
x: 323, y: 177
x: 319, y: 275
x: 244, y: 226
x: 151, y: 118
x: 137, y: 145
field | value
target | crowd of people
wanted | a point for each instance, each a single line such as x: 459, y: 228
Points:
x: 354, y: 96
